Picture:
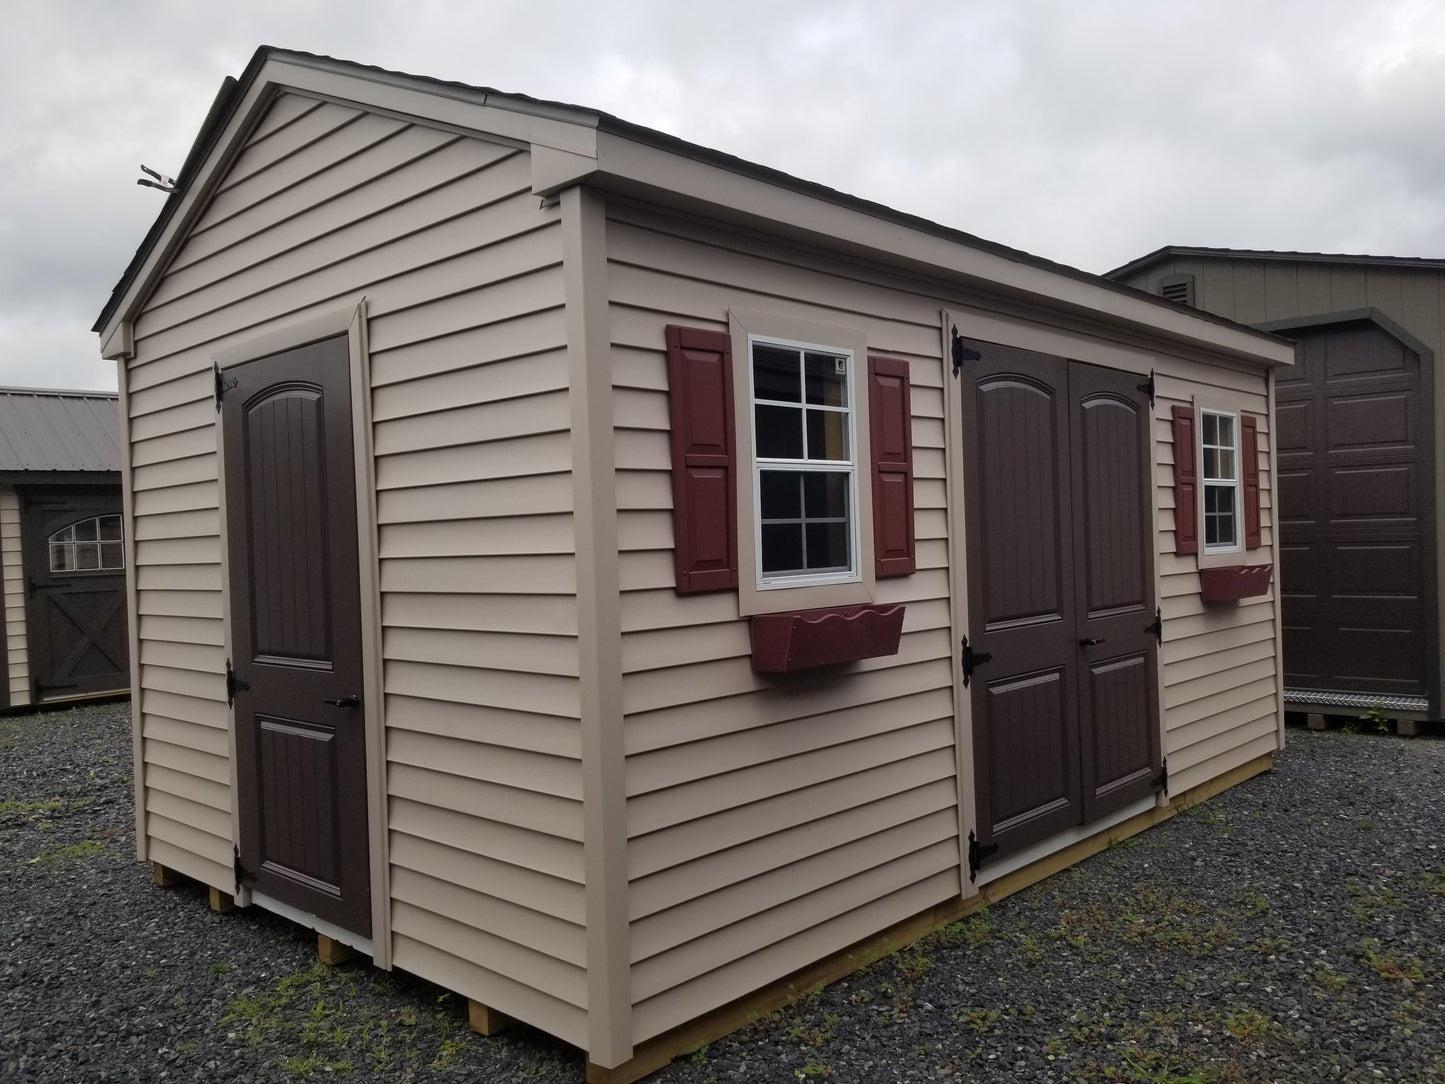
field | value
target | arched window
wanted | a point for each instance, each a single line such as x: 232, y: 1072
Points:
x: 91, y: 545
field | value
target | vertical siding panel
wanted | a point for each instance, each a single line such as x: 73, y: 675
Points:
x: 17, y: 667
x: 1314, y: 290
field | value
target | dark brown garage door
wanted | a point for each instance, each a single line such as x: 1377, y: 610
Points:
x: 1060, y: 576
x: 296, y: 631
x: 1356, y: 486
x: 75, y: 615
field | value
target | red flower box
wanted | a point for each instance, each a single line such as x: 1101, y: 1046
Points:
x: 803, y: 639
x: 1234, y: 582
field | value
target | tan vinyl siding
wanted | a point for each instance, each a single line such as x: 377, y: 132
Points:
x: 769, y: 821
x: 1220, y: 661
x: 470, y: 418
x: 12, y: 579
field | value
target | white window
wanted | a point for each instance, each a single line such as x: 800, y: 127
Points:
x: 804, y: 463
x: 92, y: 545
x: 1219, y: 442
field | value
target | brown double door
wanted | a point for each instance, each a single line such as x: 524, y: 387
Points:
x: 296, y: 632
x: 1064, y: 682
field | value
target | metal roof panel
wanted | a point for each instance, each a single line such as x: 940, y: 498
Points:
x: 46, y: 430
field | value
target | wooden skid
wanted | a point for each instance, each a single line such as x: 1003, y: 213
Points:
x: 485, y: 1020
x: 656, y: 1053
x: 333, y: 952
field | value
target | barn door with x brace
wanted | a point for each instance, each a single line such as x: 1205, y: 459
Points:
x: 296, y: 673
x: 1064, y: 681
x: 75, y: 617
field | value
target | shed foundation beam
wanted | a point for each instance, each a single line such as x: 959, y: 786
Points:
x: 333, y: 952
x: 485, y: 1020
x: 165, y: 876
x: 221, y: 902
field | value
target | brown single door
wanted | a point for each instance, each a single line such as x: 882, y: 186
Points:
x: 1356, y: 495
x: 296, y: 632
x: 1065, y: 705
x: 73, y: 553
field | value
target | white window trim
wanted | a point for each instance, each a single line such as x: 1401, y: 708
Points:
x: 850, y: 467
x: 1236, y: 484
x: 783, y: 593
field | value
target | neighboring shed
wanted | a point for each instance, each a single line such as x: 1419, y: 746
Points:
x: 1360, y: 468
x: 557, y: 541
x: 62, y: 551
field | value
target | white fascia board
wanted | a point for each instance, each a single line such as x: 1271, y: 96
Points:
x: 630, y: 167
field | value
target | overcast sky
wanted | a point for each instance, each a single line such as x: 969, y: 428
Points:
x: 1085, y: 131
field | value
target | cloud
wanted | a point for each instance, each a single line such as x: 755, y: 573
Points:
x: 1085, y: 133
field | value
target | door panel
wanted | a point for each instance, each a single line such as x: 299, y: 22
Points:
x: 1060, y: 592
x: 1356, y: 512
x: 1119, y: 694
x: 296, y: 632
x: 77, y: 634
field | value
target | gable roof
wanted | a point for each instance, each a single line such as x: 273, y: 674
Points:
x: 574, y: 145
x: 43, y: 430
x: 1171, y: 251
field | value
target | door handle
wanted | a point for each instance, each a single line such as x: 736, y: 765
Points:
x: 1090, y: 641
x: 345, y: 702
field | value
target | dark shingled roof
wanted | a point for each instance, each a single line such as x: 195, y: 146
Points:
x: 43, y: 430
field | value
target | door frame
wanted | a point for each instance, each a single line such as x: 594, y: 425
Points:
x: 349, y: 320
x: 992, y: 327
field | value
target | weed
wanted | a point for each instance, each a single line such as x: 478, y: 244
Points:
x: 86, y: 848
x: 1252, y: 904
x: 1387, y: 965
x: 30, y: 808
x: 1247, y: 1025
x: 1030, y: 947
x: 1375, y: 717
x: 813, y: 1068
x: 699, y: 1056
x: 914, y: 965
x: 218, y: 968
x: 980, y: 1019
x: 1330, y: 979
x: 1365, y: 825
x: 1433, y: 880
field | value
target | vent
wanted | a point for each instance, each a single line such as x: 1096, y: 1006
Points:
x: 1177, y: 288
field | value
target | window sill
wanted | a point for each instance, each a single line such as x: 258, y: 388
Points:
x: 1230, y: 583
x: 805, y: 639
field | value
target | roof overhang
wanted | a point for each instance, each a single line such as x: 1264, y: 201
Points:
x: 575, y: 146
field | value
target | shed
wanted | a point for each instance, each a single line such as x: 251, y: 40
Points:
x: 612, y: 579
x: 62, y: 559
x: 1360, y: 473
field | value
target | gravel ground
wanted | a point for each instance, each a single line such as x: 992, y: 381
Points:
x: 1292, y: 929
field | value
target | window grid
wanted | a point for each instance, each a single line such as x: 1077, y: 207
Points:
x: 804, y: 464
x: 89, y: 545
x: 1219, y: 444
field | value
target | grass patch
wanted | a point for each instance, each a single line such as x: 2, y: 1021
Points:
x: 71, y: 852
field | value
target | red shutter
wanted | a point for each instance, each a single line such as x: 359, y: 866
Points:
x: 890, y: 426
x: 704, y: 485
x: 1249, y: 452
x: 1186, y: 482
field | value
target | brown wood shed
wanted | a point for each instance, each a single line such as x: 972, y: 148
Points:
x: 62, y: 560
x: 608, y: 578
x: 1359, y: 467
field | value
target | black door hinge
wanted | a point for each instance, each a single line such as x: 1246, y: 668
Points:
x: 969, y: 658
x: 243, y: 874
x: 1148, y: 386
x: 977, y: 853
x: 1161, y: 781
x: 1156, y: 629
x: 234, y: 685
x: 223, y: 385
x: 961, y: 353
